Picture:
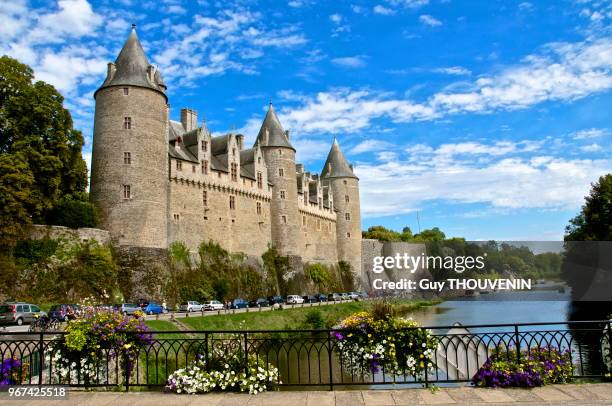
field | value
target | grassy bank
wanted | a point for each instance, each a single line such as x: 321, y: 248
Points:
x: 298, y: 318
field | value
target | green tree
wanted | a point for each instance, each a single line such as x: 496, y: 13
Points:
x: 594, y: 222
x: 318, y: 274
x: 433, y: 234
x: 36, y: 137
x: 381, y: 233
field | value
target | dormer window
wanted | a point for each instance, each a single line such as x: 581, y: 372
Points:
x: 234, y: 171
x: 259, y: 180
x: 233, y: 152
x: 259, y: 160
x: 127, y: 123
x: 205, y: 167
x: 179, y: 166
x: 204, y: 146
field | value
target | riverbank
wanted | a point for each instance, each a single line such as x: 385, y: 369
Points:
x: 585, y: 394
x: 287, y: 319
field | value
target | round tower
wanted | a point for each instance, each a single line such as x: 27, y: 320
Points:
x: 129, y: 175
x: 279, y: 155
x: 345, y: 190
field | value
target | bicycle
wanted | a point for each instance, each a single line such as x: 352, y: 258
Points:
x: 43, y: 323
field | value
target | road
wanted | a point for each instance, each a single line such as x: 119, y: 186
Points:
x: 178, y: 315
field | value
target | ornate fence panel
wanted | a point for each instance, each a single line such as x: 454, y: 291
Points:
x: 309, y: 357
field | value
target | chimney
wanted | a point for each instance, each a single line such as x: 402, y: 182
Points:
x: 299, y: 168
x: 110, y: 71
x: 189, y: 119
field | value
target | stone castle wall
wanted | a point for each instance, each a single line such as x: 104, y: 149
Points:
x: 39, y: 232
x: 318, y: 237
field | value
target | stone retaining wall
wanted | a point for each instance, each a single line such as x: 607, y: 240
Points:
x: 39, y: 232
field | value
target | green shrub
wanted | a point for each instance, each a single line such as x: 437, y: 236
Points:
x: 314, y: 320
x: 73, y: 214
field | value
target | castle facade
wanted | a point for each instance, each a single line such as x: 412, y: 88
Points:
x: 156, y: 181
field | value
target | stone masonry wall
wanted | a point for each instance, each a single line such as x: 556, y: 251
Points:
x: 39, y: 232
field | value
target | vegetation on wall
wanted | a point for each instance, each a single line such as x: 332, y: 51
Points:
x: 60, y: 270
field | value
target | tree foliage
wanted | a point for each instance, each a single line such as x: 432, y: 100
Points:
x: 594, y: 222
x: 40, y: 151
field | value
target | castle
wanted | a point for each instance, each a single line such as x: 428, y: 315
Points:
x: 156, y: 181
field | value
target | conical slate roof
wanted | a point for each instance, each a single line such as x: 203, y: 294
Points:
x: 336, y: 165
x: 276, y: 135
x: 131, y: 67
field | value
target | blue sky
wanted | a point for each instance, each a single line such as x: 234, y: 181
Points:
x: 491, y: 118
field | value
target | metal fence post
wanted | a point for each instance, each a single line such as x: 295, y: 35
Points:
x: 517, y: 341
x: 246, y: 354
x: 126, y: 371
x: 329, y: 353
x: 206, y: 358
x: 609, y: 363
x: 41, y: 358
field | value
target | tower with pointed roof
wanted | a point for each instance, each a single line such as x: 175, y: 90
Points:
x: 129, y: 178
x: 279, y: 155
x: 339, y: 176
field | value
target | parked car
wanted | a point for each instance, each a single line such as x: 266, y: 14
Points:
x: 275, y: 300
x: 321, y: 297
x: 213, y: 305
x: 62, y: 312
x: 239, y: 304
x: 128, y: 308
x: 364, y: 295
x: 334, y: 297
x: 153, y: 308
x: 354, y: 295
x: 143, y: 303
x: 294, y: 299
x: 259, y: 302
x: 191, y: 306
x: 310, y: 299
x: 19, y: 313
x: 345, y: 296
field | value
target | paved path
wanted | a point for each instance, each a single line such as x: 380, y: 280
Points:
x: 586, y: 394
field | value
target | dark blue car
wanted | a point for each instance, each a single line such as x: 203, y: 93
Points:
x: 153, y: 308
x: 239, y: 304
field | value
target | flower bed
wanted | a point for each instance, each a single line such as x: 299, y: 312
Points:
x: 537, y: 367
x: 12, y: 372
x: 393, y: 345
x: 197, y: 378
x: 95, y: 340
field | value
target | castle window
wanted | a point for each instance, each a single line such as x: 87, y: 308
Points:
x: 126, y: 91
x: 347, y: 216
x: 193, y: 168
x: 305, y: 199
x: 205, y: 167
x: 177, y: 216
x: 234, y: 171
x: 259, y: 180
x: 127, y: 192
x: 280, y: 152
x: 348, y: 235
x: 179, y: 166
x: 320, y: 203
x: 233, y: 151
x: 232, y: 202
x: 318, y: 224
x: 346, y: 198
x: 218, y: 174
x: 284, y: 219
x: 205, y: 198
x: 127, y: 123
x: 259, y: 160
x: 258, y: 207
x: 127, y: 158
x: 281, y: 172
x: 283, y: 195
x: 204, y: 146
x: 304, y: 220
x: 344, y: 181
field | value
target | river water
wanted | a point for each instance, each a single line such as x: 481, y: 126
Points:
x: 533, y: 306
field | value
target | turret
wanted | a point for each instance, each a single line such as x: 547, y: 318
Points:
x: 129, y: 178
x: 279, y: 155
x: 338, y: 174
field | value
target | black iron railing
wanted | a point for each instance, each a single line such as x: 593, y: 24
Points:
x: 310, y: 357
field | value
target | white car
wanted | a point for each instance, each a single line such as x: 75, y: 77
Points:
x: 213, y: 305
x: 295, y: 299
x: 191, y: 306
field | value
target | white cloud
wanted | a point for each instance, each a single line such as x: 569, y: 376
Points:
x: 380, y: 9
x: 350, y: 61
x: 591, y: 148
x: 454, y: 70
x: 429, y: 20
x: 590, y: 133
x: 175, y: 9
x: 408, y: 3
x: 336, y: 18
x: 370, y: 145
x: 505, y: 181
